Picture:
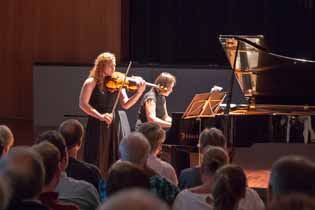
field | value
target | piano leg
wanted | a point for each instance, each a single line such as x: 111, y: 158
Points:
x: 308, y: 130
x: 311, y: 130
x: 288, y: 129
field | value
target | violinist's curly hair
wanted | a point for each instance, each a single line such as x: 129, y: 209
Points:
x: 165, y: 79
x: 100, y: 63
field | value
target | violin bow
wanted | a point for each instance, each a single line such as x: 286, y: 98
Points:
x: 118, y: 95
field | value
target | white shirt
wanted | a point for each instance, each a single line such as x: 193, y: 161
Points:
x: 187, y: 200
x: 79, y: 192
x: 251, y: 201
x: 164, y: 169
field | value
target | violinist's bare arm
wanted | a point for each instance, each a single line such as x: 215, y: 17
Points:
x: 150, y: 108
x: 84, y: 99
x: 126, y: 102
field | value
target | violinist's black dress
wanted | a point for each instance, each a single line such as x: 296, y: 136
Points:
x: 101, y: 142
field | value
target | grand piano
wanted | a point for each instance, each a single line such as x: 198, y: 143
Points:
x: 280, y: 96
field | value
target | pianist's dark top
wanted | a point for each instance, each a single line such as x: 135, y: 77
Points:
x: 159, y: 101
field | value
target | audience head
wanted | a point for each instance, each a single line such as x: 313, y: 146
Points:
x: 154, y: 134
x: 135, y: 148
x: 291, y: 174
x: 24, y: 169
x: 51, y: 159
x: 229, y: 187
x: 73, y: 132
x: 125, y: 175
x: 55, y: 138
x: 6, y: 139
x: 294, y: 201
x: 213, y: 159
x: 134, y: 199
x: 212, y: 137
x: 5, y: 193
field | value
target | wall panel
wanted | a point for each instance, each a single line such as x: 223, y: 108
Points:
x: 72, y: 31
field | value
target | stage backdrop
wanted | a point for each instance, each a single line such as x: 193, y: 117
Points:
x: 56, y: 95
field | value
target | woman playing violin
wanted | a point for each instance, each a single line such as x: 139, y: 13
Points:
x: 96, y: 100
x: 153, y: 105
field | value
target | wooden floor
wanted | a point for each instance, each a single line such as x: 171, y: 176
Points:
x: 258, y: 178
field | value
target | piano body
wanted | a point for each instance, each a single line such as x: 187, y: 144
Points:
x: 280, y: 96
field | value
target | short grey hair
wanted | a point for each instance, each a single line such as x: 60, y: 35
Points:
x: 25, y: 170
x: 135, y: 148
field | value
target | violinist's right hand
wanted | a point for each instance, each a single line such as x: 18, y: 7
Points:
x: 107, y: 117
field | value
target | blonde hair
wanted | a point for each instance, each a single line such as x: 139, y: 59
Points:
x: 100, y: 63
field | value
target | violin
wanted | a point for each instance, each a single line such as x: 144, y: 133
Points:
x: 118, y: 80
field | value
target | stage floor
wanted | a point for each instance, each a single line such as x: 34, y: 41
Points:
x: 258, y: 178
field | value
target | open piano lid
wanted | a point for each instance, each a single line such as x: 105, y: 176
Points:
x: 270, y: 81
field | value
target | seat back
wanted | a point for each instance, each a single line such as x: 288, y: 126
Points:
x: 124, y: 122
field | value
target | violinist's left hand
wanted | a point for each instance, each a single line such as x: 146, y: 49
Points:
x: 141, y: 85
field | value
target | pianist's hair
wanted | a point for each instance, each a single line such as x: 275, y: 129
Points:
x: 165, y: 79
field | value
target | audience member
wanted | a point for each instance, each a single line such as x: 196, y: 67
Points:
x: 135, y: 148
x: 6, y: 139
x: 156, y: 136
x: 196, y: 198
x: 73, y: 133
x: 191, y: 177
x: 228, y: 188
x: 125, y: 175
x: 51, y: 156
x: 291, y: 174
x: 25, y: 171
x: 5, y: 193
x: 70, y: 190
x: 134, y: 199
x: 293, y: 201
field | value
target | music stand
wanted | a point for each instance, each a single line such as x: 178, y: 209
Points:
x: 204, y: 105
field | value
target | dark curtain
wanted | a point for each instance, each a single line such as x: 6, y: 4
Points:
x: 186, y: 32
